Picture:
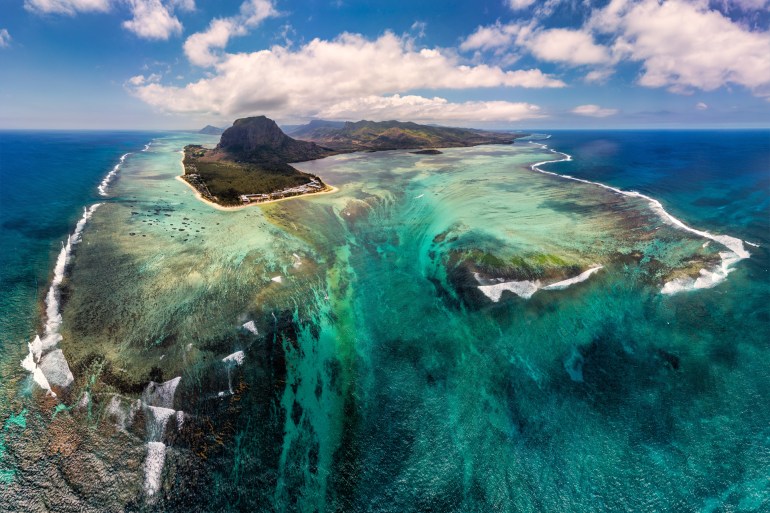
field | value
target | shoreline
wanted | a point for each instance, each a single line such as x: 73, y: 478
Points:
x: 331, y: 189
x: 707, y: 277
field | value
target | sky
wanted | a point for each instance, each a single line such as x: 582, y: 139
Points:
x: 514, y: 64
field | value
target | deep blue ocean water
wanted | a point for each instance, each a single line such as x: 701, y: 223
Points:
x: 714, y: 179
x: 46, y: 178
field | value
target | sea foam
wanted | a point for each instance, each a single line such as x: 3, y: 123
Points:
x: 158, y: 401
x: 561, y: 285
x: 494, y: 289
x: 251, y: 327
x: 153, y: 467
x: 235, y: 359
x: 231, y: 361
x: 56, y: 371
x: 708, y: 277
x: 523, y: 289
x: 111, y: 175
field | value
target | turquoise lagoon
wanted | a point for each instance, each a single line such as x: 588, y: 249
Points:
x: 454, y: 332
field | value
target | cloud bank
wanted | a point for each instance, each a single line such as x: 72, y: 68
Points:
x: 347, y: 77
x: 682, y: 45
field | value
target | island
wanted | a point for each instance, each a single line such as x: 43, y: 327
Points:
x: 251, y: 163
x: 211, y: 130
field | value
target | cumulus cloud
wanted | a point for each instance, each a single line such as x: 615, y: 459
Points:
x: 575, y: 47
x: 201, y: 47
x: 5, y: 38
x: 569, y: 46
x: 701, y: 106
x: 152, y: 20
x: 492, y: 37
x: 345, y: 73
x: 419, y: 108
x: 593, y: 111
x: 684, y: 45
x: 681, y: 45
x: 66, y: 6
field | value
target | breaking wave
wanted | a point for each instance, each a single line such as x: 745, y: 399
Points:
x: 111, y: 175
x: 47, y: 365
x: 708, y: 277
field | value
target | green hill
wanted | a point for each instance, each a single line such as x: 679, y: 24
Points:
x: 395, y: 135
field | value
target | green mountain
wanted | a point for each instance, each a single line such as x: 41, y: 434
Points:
x: 395, y: 135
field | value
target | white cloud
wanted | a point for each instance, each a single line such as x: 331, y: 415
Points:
x: 569, y: 46
x: 681, y: 45
x: 323, y: 75
x: 701, y: 106
x: 421, y: 109
x: 254, y: 12
x: 517, y: 5
x: 66, y: 6
x: 575, y: 47
x: 593, y: 111
x: 5, y: 38
x: 152, y: 20
x: 491, y: 37
x: 685, y: 45
x: 200, y: 47
x: 599, y: 76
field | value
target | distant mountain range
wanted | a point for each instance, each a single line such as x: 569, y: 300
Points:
x: 393, y: 135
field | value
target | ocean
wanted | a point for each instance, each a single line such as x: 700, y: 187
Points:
x: 467, y: 331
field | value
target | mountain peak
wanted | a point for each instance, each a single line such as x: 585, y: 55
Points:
x: 258, y: 138
x: 211, y: 130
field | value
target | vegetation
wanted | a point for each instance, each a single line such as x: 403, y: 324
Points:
x: 223, y: 181
x: 392, y: 135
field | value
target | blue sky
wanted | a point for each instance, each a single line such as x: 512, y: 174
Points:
x: 145, y: 64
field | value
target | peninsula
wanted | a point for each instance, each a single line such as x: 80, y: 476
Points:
x: 251, y: 163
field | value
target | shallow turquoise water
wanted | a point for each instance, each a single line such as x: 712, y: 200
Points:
x: 381, y: 378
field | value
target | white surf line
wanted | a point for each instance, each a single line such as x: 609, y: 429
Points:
x: 108, y: 178
x: 526, y: 289
x: 561, y: 285
x: 104, y: 185
x: 47, y: 364
x: 737, y: 251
